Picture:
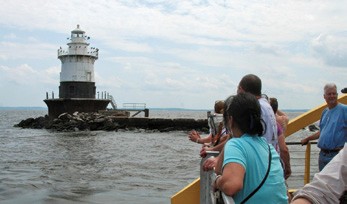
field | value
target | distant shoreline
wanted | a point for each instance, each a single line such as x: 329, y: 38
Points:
x: 164, y: 109
x: 23, y: 108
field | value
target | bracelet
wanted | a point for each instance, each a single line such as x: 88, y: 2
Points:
x: 215, y: 181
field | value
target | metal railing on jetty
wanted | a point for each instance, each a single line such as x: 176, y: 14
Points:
x: 199, y: 191
x: 134, y: 106
x: 137, y: 107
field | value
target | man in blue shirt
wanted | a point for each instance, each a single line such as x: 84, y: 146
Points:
x: 333, y: 127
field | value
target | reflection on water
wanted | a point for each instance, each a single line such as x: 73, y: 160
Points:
x: 39, y: 166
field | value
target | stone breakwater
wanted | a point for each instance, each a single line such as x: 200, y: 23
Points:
x: 97, y: 121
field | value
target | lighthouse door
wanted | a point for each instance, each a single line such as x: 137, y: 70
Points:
x: 89, y: 76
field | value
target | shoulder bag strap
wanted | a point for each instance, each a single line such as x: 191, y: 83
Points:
x: 263, y: 181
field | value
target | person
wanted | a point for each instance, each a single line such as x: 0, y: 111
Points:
x: 281, y: 117
x: 225, y: 137
x: 327, y: 186
x: 194, y: 136
x: 247, y: 161
x: 252, y: 84
x: 218, y: 135
x: 333, y: 127
x: 282, y: 122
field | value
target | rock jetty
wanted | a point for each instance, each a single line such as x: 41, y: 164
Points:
x: 98, y: 121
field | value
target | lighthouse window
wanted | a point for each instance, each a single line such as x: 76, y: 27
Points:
x: 71, y: 89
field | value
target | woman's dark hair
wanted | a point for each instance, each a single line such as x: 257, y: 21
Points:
x: 227, y: 103
x: 245, y: 110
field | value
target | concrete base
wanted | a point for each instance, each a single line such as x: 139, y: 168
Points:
x: 59, y: 106
x: 116, y: 112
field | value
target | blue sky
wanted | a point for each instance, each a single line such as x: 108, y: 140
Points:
x: 177, y: 54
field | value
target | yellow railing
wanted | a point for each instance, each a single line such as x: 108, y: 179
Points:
x: 307, y: 163
x: 309, y: 117
x: 190, y: 194
x: 307, y: 167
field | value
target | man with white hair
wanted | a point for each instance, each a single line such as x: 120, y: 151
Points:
x: 333, y: 127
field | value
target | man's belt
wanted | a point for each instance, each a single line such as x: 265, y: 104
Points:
x: 327, y: 151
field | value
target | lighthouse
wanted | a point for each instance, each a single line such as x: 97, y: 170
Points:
x: 77, y: 80
x: 77, y: 67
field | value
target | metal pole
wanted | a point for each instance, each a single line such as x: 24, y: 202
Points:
x: 206, y: 180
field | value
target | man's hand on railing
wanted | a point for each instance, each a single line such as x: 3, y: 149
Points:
x: 304, y: 141
x: 311, y: 137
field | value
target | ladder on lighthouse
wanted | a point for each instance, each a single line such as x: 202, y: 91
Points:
x: 113, y: 102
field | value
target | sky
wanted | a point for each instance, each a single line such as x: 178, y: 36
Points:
x: 177, y: 54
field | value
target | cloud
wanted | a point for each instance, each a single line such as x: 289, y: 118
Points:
x: 25, y: 75
x: 25, y: 86
x: 332, y: 48
x: 19, y: 75
x: 14, y: 50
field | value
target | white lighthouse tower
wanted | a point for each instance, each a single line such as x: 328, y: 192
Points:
x: 77, y: 67
x: 77, y: 82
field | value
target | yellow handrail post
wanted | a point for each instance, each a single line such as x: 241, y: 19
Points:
x: 307, y: 163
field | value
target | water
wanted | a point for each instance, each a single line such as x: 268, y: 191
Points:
x: 41, y: 166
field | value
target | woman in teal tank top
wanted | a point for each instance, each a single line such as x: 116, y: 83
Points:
x: 249, y: 169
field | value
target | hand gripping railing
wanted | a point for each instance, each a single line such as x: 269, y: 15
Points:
x: 207, y: 194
